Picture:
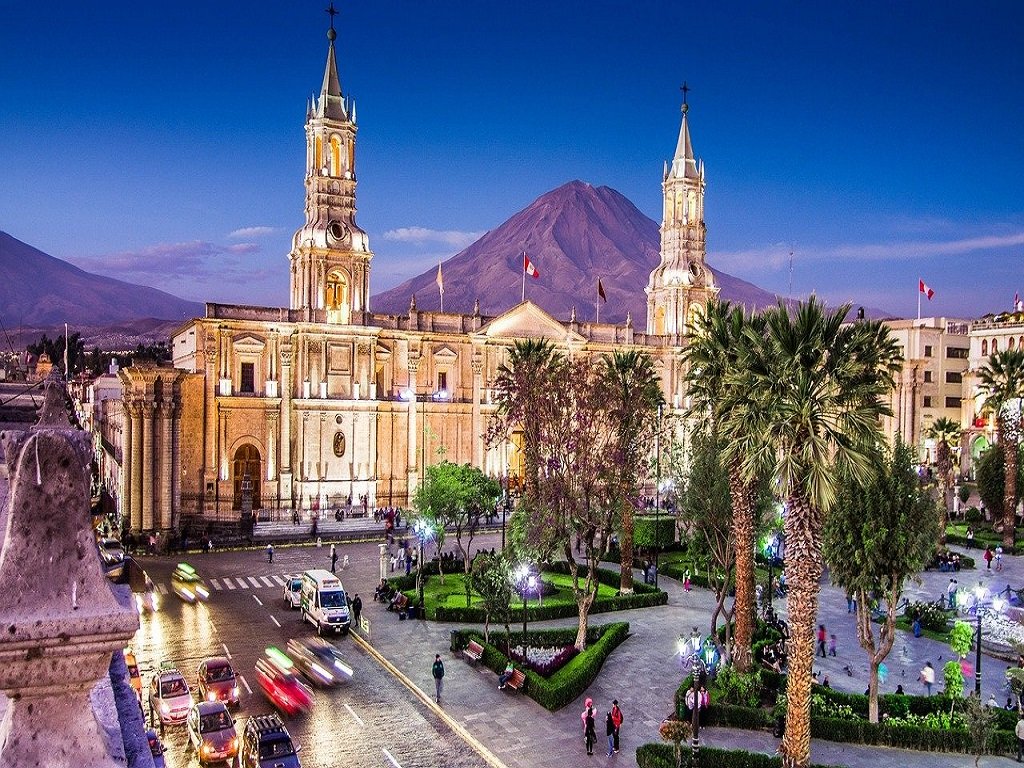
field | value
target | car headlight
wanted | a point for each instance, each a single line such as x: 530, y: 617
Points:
x: 202, y: 592
x: 164, y: 708
x: 234, y: 691
x: 211, y: 696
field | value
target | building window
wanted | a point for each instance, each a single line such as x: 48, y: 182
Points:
x: 442, y: 381
x: 248, y: 382
x: 1010, y: 343
x: 927, y: 401
x: 927, y: 377
x: 995, y: 346
x: 952, y: 402
x: 958, y: 353
x: 953, y: 377
x: 984, y: 347
x: 927, y: 350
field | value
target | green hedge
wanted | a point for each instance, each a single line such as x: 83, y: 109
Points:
x: 644, y: 596
x: 663, y: 756
x: 654, y: 532
x: 860, y: 731
x: 565, y: 685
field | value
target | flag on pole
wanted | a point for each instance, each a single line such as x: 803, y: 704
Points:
x: 440, y: 279
x: 600, y: 291
x: 923, y: 288
x: 528, y: 267
x: 1017, y: 306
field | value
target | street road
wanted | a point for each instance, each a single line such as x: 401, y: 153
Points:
x: 372, y: 720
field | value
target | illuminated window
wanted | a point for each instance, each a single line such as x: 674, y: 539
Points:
x: 442, y: 381
x: 335, y: 156
x: 336, y: 299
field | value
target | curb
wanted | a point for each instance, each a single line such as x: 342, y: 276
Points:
x: 450, y: 721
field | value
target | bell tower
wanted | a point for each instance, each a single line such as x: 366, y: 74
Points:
x: 681, y: 284
x: 330, y: 256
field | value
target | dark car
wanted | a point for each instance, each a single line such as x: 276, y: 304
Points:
x: 156, y: 748
x: 266, y: 743
x: 211, y: 731
x: 275, y: 674
x: 319, y: 661
x: 217, y: 681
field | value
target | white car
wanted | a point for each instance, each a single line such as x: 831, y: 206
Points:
x: 169, y: 697
x: 293, y: 592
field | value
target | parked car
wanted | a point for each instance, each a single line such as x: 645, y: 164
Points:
x: 187, y: 584
x: 293, y: 591
x: 217, y: 681
x: 169, y: 697
x: 211, y: 731
x: 319, y: 661
x: 276, y: 675
x: 112, y: 556
x: 133, y: 673
x: 266, y: 743
x: 156, y: 748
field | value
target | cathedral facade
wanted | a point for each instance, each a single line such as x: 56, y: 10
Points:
x: 325, y: 402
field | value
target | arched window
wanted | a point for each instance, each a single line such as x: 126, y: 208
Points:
x: 659, y: 321
x: 995, y: 346
x: 335, y: 156
x: 984, y: 347
x: 318, y: 155
x: 246, y: 469
x: 336, y: 297
x: 1010, y: 344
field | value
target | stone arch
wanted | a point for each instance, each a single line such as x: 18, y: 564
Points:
x: 979, y: 445
x: 659, y: 321
x: 984, y: 347
x: 335, y: 155
x: 247, y: 462
x: 336, y: 297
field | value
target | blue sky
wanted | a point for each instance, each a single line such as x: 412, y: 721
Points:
x: 880, y: 142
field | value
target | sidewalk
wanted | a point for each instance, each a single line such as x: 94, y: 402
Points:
x: 643, y: 674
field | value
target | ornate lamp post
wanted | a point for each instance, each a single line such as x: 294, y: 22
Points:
x: 423, y: 532
x: 996, y: 603
x: 524, y: 581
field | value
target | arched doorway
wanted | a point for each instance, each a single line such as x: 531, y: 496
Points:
x: 247, y: 465
x: 336, y: 298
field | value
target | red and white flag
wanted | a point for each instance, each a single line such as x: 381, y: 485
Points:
x: 923, y: 288
x: 529, y: 268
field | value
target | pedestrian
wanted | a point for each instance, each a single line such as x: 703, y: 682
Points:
x: 1019, y: 733
x: 270, y: 553
x: 334, y: 558
x: 826, y: 683
x: 883, y: 673
x: 589, y: 728
x: 821, y: 641
x: 927, y: 676
x: 357, y: 607
x: 832, y: 645
x: 437, y: 671
x: 686, y: 580
x: 999, y: 557
x: 951, y: 593
x: 617, y: 718
x: 988, y: 557
x: 849, y: 602
x: 344, y: 562
x: 609, y: 729
x: 970, y: 538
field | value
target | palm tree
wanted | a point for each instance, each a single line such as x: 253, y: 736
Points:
x: 634, y: 412
x: 946, y: 433
x: 808, y: 394
x: 520, y: 385
x: 1002, y: 384
x: 712, y: 356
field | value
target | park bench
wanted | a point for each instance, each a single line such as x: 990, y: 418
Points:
x: 474, y: 651
x: 516, y: 681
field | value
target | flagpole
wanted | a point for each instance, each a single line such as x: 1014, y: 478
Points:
x: 597, y: 303
x: 524, y: 276
x: 919, y: 301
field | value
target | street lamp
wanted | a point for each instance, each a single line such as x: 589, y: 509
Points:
x: 423, y: 532
x: 524, y: 581
x: 997, y: 604
x: 693, y: 700
x: 657, y: 487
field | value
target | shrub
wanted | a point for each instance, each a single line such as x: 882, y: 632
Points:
x: 568, y: 682
x: 973, y: 515
x: 953, y: 676
x: 661, y: 756
x: 650, y: 533
x: 932, y: 617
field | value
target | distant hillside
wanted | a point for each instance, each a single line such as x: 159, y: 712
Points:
x: 573, y: 234
x: 39, y: 290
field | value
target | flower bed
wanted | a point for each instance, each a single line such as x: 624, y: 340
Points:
x: 544, y: 660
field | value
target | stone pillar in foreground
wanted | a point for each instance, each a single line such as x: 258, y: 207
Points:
x: 61, y: 621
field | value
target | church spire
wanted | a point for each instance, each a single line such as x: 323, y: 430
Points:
x: 331, y: 104
x: 684, y: 165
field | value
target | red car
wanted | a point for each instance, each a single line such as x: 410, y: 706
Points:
x: 276, y: 675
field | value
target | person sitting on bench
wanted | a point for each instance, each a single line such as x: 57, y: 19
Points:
x: 505, y: 676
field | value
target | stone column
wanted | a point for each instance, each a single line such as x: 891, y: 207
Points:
x: 126, y: 462
x: 147, y: 466
x: 176, y: 457
x: 166, y: 455
x: 477, y: 423
x: 60, y: 616
x: 210, y: 416
x: 411, y: 438
x: 136, y: 466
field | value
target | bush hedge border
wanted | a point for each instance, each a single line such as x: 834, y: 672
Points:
x: 565, y: 685
x: 663, y: 756
x: 644, y: 596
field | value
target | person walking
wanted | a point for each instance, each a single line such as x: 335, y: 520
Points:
x: 437, y: 671
x: 951, y: 594
x: 609, y: 730
x: 334, y: 558
x: 832, y: 645
x: 589, y: 729
x: 270, y: 553
x: 617, y: 719
x: 1019, y: 733
x: 928, y: 676
x: 821, y: 641
x: 999, y: 557
x: 357, y: 607
x: 988, y: 558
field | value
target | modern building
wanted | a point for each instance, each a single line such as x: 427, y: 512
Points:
x: 325, y: 401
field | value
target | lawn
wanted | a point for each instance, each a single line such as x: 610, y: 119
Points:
x: 452, y: 594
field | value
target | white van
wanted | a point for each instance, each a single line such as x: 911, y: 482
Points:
x: 324, y: 604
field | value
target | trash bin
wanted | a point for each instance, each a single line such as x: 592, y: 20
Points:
x: 454, y: 644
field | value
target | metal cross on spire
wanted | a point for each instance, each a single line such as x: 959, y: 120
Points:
x: 685, y: 89
x: 332, y: 12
